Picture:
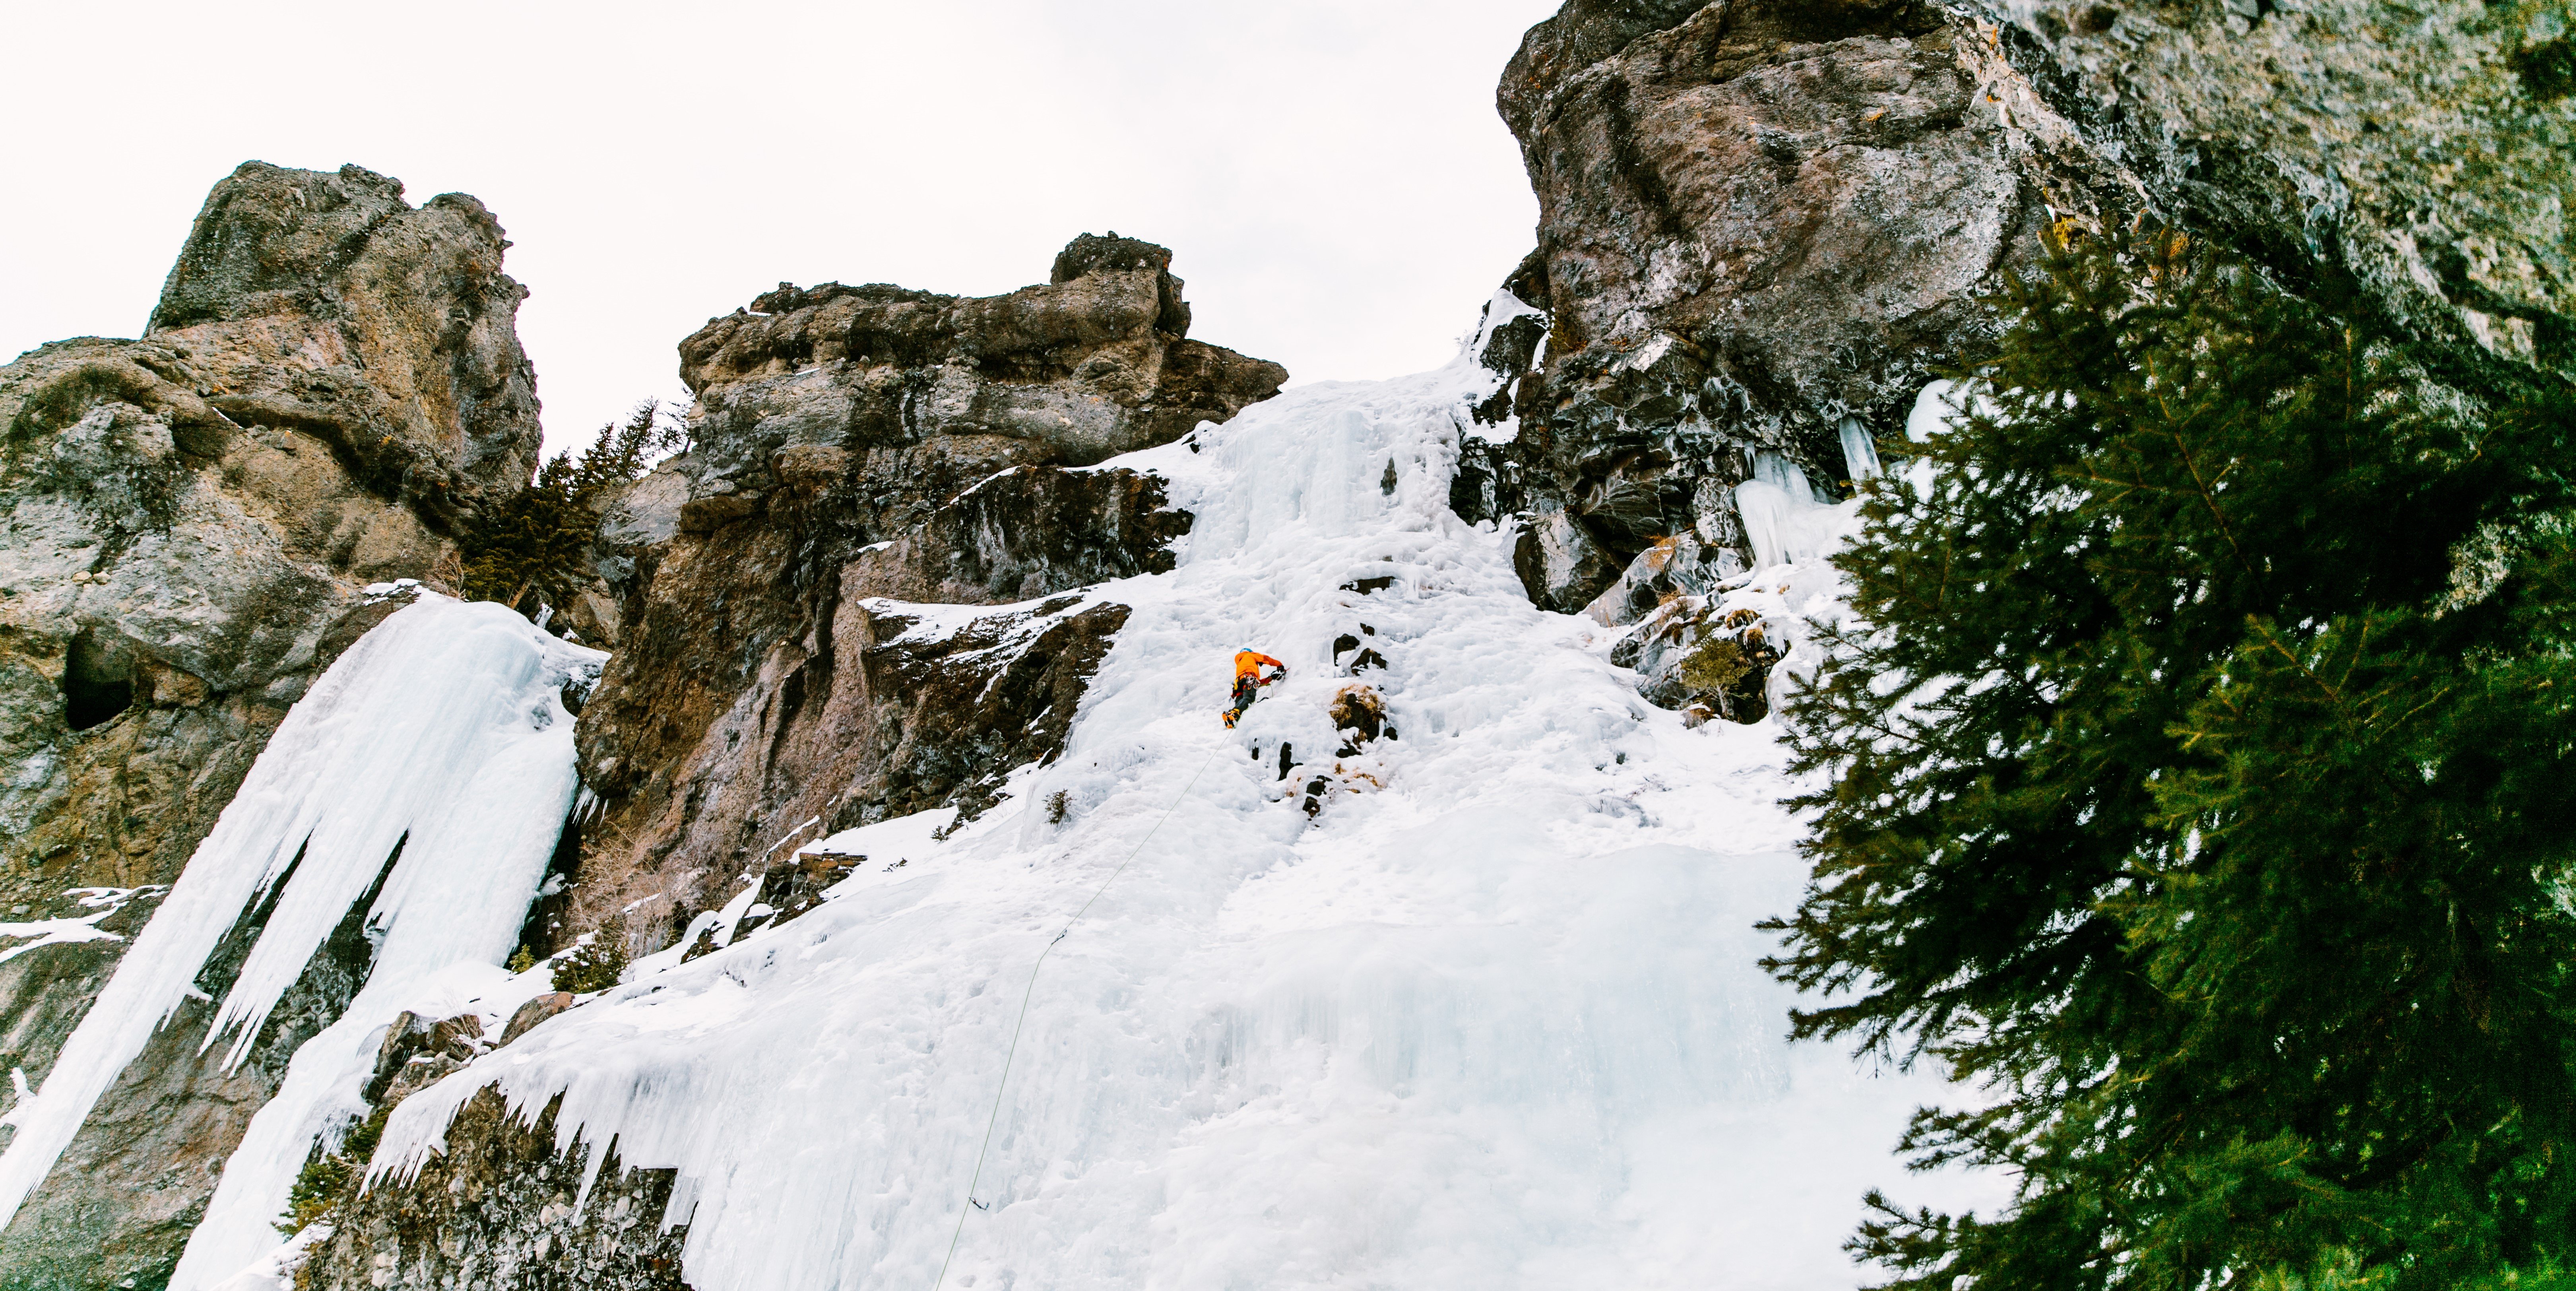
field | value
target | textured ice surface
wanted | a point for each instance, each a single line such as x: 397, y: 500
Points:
x: 468, y: 760
x: 1491, y: 1019
x: 441, y: 729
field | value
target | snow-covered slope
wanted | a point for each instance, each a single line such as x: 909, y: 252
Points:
x: 1491, y: 1018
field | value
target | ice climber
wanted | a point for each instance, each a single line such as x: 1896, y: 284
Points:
x: 1248, y: 680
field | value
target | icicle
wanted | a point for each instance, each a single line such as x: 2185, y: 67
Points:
x: 477, y: 850
x: 1860, y: 453
x: 1778, y: 471
x: 1765, y: 508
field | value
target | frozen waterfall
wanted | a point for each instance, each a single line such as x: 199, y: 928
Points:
x: 1491, y: 1019
x: 442, y: 731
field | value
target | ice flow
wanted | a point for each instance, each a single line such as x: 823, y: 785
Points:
x: 441, y: 732
x: 1491, y: 1018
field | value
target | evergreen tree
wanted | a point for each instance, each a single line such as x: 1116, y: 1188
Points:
x: 528, y: 551
x: 2198, y: 784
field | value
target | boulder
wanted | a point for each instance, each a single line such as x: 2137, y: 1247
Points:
x: 536, y: 1010
x: 1705, y: 661
x: 1757, y: 219
x: 417, y: 1052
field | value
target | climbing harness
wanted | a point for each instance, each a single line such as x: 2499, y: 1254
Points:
x: 1013, y: 1052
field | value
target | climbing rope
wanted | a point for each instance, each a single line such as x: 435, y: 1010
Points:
x: 1013, y: 1052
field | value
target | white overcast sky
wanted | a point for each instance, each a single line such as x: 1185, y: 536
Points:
x: 1329, y: 173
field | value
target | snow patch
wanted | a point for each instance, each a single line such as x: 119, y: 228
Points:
x: 78, y: 928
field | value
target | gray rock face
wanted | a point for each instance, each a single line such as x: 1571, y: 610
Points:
x: 330, y: 381
x: 2419, y: 150
x: 1757, y: 219
x: 388, y: 331
x: 1024, y: 533
x: 1090, y: 365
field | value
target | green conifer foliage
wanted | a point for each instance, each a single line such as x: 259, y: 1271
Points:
x: 2199, y: 784
x: 332, y: 1178
x: 528, y: 551
x: 596, y: 963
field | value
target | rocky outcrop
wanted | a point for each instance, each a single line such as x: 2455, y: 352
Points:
x: 329, y: 384
x: 1758, y: 219
x: 863, y: 460
x: 1094, y: 363
x: 1763, y: 222
x: 866, y: 590
x: 329, y: 307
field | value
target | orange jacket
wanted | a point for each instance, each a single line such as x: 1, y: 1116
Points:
x: 1247, y: 663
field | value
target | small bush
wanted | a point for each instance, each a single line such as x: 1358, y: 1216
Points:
x: 529, y: 551
x: 595, y: 964
x: 1717, y: 665
x: 332, y: 1178
x: 522, y: 959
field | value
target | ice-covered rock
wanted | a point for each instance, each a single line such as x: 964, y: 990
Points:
x: 1681, y: 565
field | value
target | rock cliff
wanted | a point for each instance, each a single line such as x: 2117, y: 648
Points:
x: 1764, y: 221
x: 330, y: 382
x: 2415, y: 151
x: 859, y: 455
x: 870, y: 587
x: 1757, y: 220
